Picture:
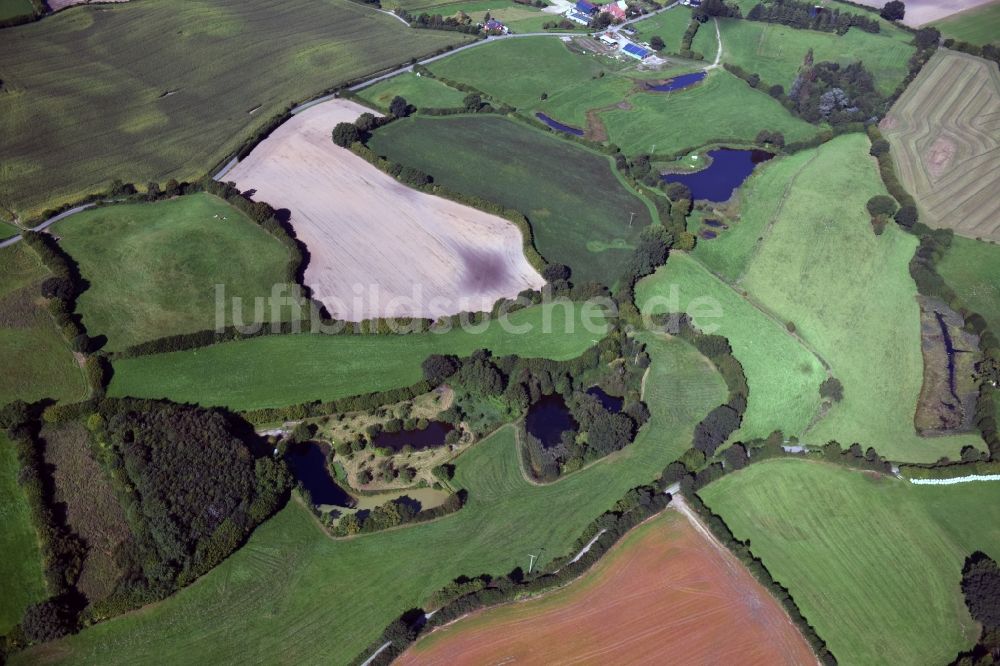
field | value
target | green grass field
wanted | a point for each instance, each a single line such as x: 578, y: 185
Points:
x: 13, y: 8
x: 153, y: 268
x: 979, y: 25
x: 722, y: 108
x: 8, y: 230
x: 670, y: 26
x: 580, y: 212
x: 86, y: 92
x: 972, y: 269
x: 37, y: 363
x: 776, y: 52
x: 517, y: 17
x: 421, y: 91
x: 288, y: 369
x: 850, y: 295
x: 873, y: 562
x: 21, y: 566
x: 783, y: 376
x: 291, y: 581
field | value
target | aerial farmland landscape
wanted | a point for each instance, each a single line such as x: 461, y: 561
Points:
x: 500, y: 331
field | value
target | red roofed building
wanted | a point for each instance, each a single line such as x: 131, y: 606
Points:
x: 616, y: 9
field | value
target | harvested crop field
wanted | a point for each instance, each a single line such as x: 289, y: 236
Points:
x: 378, y: 247
x: 665, y: 590
x: 945, y: 135
x: 922, y: 12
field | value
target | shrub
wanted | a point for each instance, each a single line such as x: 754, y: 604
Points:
x: 881, y: 205
x: 345, y: 134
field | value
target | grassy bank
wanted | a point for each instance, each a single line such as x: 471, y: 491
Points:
x: 580, y: 213
x: 154, y: 268
x: 972, y: 268
x: 873, y: 562
x: 155, y: 89
x: 421, y: 91
x: 290, y: 578
x: 288, y: 369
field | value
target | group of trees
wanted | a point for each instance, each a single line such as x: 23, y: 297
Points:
x: 981, y: 588
x: 828, y: 92
x: 808, y: 16
x: 396, y: 512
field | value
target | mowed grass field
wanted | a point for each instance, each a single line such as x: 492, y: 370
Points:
x: 720, y: 109
x: 945, y: 136
x: 420, y: 91
x: 783, y: 375
x: 581, y: 214
x: 972, y: 269
x: 874, y: 563
x: 157, y: 89
x: 281, y: 370
x: 291, y: 581
x: 850, y: 296
x: 635, y: 605
x: 979, y: 25
x: 14, y: 8
x: 670, y: 26
x: 154, y: 268
x: 21, y: 566
x: 776, y: 52
x: 36, y: 361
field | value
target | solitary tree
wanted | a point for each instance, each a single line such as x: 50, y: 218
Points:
x: 472, y: 102
x: 344, y: 134
x: 894, y: 10
x: 398, y: 107
x: 657, y: 42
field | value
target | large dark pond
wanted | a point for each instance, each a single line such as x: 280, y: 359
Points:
x: 556, y: 125
x: 548, y: 418
x: 308, y: 464
x: 612, y: 403
x: 678, y: 82
x: 426, y: 438
x: 728, y: 170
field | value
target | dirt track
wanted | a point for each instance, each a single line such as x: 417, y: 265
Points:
x: 666, y: 594
x: 379, y: 248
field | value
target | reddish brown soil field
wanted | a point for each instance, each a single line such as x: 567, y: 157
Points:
x: 665, y: 594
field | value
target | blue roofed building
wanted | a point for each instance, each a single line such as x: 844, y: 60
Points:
x: 585, y: 7
x: 636, y: 52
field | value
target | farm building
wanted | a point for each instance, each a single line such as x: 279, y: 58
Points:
x: 585, y: 7
x: 616, y: 9
x: 494, y: 27
x: 578, y: 17
x: 636, y: 52
x: 605, y: 38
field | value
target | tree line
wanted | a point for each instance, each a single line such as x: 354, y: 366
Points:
x: 807, y: 16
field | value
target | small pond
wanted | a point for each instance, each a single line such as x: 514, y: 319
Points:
x: 678, y: 82
x: 612, y: 403
x: 548, y: 418
x: 427, y: 438
x: 556, y: 125
x: 308, y: 463
x: 714, y: 223
x: 709, y: 235
x: 728, y: 170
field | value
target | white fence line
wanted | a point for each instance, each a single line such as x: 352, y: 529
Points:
x: 958, y: 479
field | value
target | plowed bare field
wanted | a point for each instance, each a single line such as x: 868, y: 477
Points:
x: 378, y: 247
x: 666, y: 594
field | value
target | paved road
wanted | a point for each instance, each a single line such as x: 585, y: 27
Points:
x: 47, y: 223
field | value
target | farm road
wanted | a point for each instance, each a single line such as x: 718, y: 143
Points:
x: 47, y: 223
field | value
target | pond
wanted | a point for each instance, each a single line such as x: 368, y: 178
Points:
x: 308, y: 464
x: 678, y: 82
x: 708, y: 235
x: 612, y: 403
x: 556, y: 125
x: 433, y: 435
x: 714, y: 223
x: 548, y: 418
x: 729, y: 168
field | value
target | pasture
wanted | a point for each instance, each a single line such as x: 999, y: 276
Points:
x: 420, y: 91
x: 154, y: 268
x: 776, y: 52
x: 21, y: 566
x: 721, y: 109
x: 670, y: 26
x: 581, y: 214
x: 945, y: 136
x: 154, y: 90
x: 817, y: 268
x: 873, y: 562
x: 278, y: 370
x: 291, y: 578
x: 636, y: 605
x: 972, y: 269
x: 36, y: 360
x: 397, y: 252
x: 14, y: 8
x: 978, y: 25
x: 783, y: 375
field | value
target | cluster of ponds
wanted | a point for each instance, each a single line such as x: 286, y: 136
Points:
x: 730, y: 167
x: 550, y: 417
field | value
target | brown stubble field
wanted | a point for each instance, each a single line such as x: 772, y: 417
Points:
x: 667, y: 593
x: 367, y: 233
